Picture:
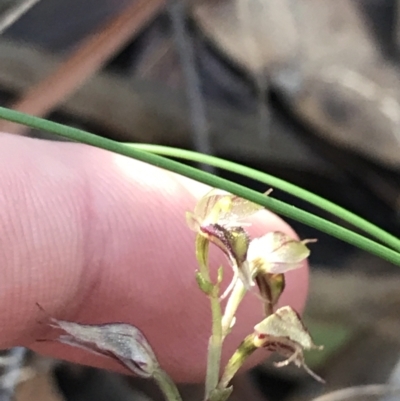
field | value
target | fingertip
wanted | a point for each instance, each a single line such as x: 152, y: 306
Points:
x: 106, y: 241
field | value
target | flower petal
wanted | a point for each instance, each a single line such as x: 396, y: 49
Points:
x: 221, y: 207
x: 192, y: 222
x: 276, y: 252
x: 286, y: 322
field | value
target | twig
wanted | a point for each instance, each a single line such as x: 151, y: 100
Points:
x: 201, y: 134
x: 158, y: 113
x: 14, y: 13
x: 84, y: 62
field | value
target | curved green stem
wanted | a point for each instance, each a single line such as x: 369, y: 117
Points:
x: 275, y: 182
x: 216, y: 339
x: 246, y: 349
x: 166, y: 385
x: 214, y: 347
x: 209, y: 179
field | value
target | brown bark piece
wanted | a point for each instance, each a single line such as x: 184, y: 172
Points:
x: 84, y: 62
x: 40, y: 387
x: 338, y: 82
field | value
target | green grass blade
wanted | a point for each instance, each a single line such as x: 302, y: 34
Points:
x: 278, y: 183
x: 209, y: 179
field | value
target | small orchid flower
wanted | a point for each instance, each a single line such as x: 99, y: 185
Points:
x: 221, y: 207
x: 268, y: 258
x: 285, y: 333
x: 276, y: 252
x: 218, y: 216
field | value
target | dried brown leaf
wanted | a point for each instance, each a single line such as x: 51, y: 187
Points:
x: 122, y: 342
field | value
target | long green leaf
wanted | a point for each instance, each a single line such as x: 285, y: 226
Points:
x: 278, y: 183
x: 201, y: 176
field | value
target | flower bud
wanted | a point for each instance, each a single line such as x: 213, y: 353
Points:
x: 120, y: 341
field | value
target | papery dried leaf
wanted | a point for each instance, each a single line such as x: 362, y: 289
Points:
x: 221, y: 207
x: 119, y: 341
x: 270, y: 287
x: 276, y: 252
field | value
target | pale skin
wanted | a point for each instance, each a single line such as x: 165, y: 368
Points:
x: 97, y: 238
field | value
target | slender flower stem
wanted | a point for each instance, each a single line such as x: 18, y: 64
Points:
x: 166, y: 385
x: 236, y: 297
x: 214, y: 347
x: 246, y: 348
x: 209, y: 179
x: 216, y: 338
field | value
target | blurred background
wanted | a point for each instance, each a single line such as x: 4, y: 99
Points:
x: 307, y: 90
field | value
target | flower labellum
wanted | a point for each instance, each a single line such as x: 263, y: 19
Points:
x: 270, y: 287
x: 285, y: 333
x: 120, y: 341
x: 233, y: 243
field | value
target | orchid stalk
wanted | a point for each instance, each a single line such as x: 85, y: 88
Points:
x: 282, y: 330
x: 212, y: 291
x: 218, y: 218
